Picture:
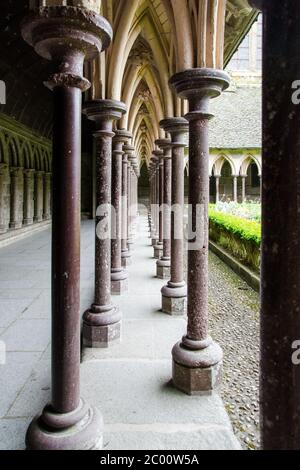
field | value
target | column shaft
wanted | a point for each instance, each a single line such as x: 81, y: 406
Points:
x: 66, y: 249
x: 280, y: 286
x: 28, y: 197
x: 17, y: 198
x: 4, y: 197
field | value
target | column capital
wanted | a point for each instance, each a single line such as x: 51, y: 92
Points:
x: 123, y: 136
x: 198, y: 86
x: 129, y: 150
x: 29, y: 172
x: 164, y: 144
x: 104, y: 112
x: 67, y: 35
x: 3, y: 167
x: 175, y: 125
x: 16, y: 171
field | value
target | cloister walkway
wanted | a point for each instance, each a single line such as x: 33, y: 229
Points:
x: 130, y: 383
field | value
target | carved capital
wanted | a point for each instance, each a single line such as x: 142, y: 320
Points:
x: 66, y: 35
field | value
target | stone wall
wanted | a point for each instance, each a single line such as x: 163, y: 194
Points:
x: 25, y: 176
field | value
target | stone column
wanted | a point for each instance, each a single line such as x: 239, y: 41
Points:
x: 17, y: 198
x: 39, y: 196
x: 154, y: 211
x: 174, y: 294
x: 133, y: 204
x: 131, y: 158
x: 119, y: 276
x: 235, y: 188
x: 4, y: 197
x: 102, y: 322
x: 243, y: 187
x: 217, y: 177
x: 65, y: 35
x: 280, y: 286
x: 158, y: 249
x: 197, y: 359
x: 47, y: 196
x: 163, y: 269
x: 28, y: 196
x: 126, y: 255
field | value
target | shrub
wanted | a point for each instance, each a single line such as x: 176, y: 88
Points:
x: 241, y: 237
x: 244, y: 229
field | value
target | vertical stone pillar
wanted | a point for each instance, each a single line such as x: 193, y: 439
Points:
x: 243, y: 187
x: 17, y: 198
x: 217, y: 177
x: 39, y: 196
x: 4, y: 197
x: 133, y: 204
x: 126, y: 255
x: 66, y: 35
x: 163, y: 265
x: 280, y: 270
x: 131, y: 158
x: 197, y: 359
x: 119, y: 276
x: 158, y: 249
x: 102, y: 322
x: 235, y: 188
x: 174, y: 294
x: 47, y: 196
x: 28, y: 196
x: 154, y: 203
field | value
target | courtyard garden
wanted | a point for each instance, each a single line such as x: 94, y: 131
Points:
x: 237, y: 229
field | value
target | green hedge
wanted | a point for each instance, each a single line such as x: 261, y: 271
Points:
x: 241, y: 237
x: 244, y: 229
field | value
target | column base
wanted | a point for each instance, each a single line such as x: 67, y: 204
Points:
x: 126, y: 259
x: 163, y: 268
x: 46, y: 217
x: 38, y: 219
x: 174, y: 299
x: 154, y: 241
x: 158, y: 251
x: 197, y: 366
x: 3, y: 229
x: 27, y: 222
x: 15, y: 225
x: 80, y: 430
x: 119, y: 282
x: 101, y: 327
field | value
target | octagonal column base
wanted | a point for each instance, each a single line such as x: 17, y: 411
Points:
x: 163, y: 268
x: 126, y: 259
x: 119, y: 282
x: 197, y: 371
x: 158, y: 251
x: 174, y: 299
x: 102, y: 327
x: 81, y: 429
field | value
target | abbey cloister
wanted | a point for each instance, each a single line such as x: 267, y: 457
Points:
x: 122, y: 123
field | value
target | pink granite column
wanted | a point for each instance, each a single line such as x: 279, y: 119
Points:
x: 65, y: 36
x: 102, y: 322
x: 163, y: 265
x: 119, y: 276
x: 197, y: 359
x: 158, y: 248
x: 174, y: 294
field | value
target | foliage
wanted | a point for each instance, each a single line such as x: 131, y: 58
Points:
x: 249, y: 210
x: 246, y: 230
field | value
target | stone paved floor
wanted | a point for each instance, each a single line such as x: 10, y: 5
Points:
x: 130, y: 382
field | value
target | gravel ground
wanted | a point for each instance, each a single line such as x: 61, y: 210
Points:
x: 234, y: 324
